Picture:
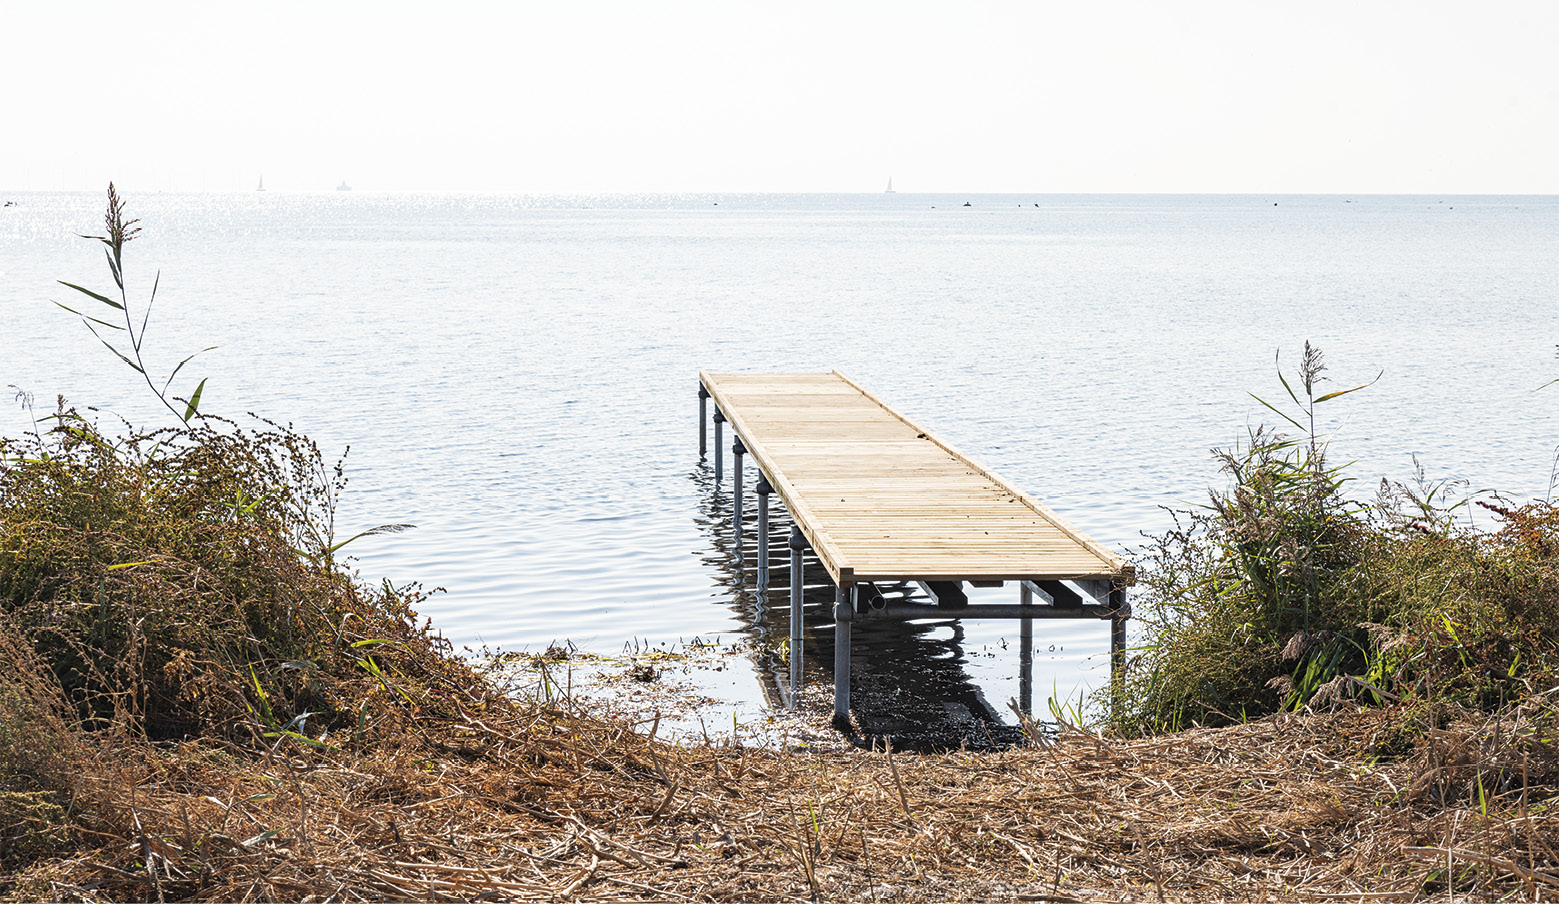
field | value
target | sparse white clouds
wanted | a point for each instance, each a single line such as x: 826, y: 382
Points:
x: 591, y: 96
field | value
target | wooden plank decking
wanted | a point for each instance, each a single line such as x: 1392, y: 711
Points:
x: 882, y: 499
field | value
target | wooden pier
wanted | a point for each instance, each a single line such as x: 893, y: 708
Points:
x: 884, y: 503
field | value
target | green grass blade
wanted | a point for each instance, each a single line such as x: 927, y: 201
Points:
x: 129, y: 565
x: 91, y: 294
x: 151, y: 301
x: 1275, y: 410
x: 194, y: 401
x: 381, y: 529
x: 121, y: 354
x: 181, y: 366
x: 1284, y: 381
x: 112, y: 326
x: 1343, y: 392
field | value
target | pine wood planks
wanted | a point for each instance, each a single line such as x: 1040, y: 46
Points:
x: 882, y: 499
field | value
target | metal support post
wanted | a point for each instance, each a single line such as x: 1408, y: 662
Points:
x: 798, y: 543
x: 1118, y: 646
x: 737, y: 451
x: 844, y: 613
x: 763, y: 490
x: 1026, y: 652
x: 703, y: 422
x: 719, y: 456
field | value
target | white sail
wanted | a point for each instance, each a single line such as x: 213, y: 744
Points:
x: 889, y: 189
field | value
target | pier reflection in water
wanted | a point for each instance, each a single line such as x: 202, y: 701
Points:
x: 909, y: 686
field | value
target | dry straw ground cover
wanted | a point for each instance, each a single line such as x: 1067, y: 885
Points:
x: 507, y: 801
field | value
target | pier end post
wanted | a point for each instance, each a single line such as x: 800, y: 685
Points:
x: 719, y: 455
x: 1026, y: 652
x: 844, y: 614
x: 703, y: 422
x: 1120, y: 611
x: 798, y: 544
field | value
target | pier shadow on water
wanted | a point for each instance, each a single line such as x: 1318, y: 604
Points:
x: 909, y: 685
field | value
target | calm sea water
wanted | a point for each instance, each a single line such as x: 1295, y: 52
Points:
x: 517, y: 375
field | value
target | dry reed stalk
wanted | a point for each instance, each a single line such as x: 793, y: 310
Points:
x: 528, y: 803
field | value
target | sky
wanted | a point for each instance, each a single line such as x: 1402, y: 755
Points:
x: 731, y: 96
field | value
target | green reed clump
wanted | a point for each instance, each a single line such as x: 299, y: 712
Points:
x: 1283, y: 592
x: 1473, y: 615
x: 183, y: 581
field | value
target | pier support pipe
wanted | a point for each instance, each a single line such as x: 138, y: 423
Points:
x: 798, y: 545
x: 719, y: 456
x: 763, y: 489
x: 844, y: 614
x: 1120, y: 612
x: 1026, y: 652
x: 703, y: 422
x: 737, y: 451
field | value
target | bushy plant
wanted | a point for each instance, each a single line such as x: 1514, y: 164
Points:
x: 1285, y: 592
x: 183, y: 581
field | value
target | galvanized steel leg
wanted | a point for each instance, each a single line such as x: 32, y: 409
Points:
x: 798, y: 543
x: 1118, y: 647
x: 737, y: 451
x: 843, y: 614
x: 1026, y: 652
x: 719, y: 456
x: 703, y: 422
x: 763, y: 489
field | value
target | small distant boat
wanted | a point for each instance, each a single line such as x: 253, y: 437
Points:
x: 262, y: 184
x: 889, y: 189
x: 343, y: 186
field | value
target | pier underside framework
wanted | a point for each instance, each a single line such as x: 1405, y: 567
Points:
x: 884, y: 504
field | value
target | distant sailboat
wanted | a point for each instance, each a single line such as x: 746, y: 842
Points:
x: 889, y: 189
x: 262, y: 184
x: 343, y: 186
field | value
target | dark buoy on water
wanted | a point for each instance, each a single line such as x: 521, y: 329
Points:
x: 967, y: 204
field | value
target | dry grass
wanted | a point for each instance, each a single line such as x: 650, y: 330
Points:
x: 521, y: 801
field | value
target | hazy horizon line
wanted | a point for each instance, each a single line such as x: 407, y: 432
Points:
x: 131, y: 189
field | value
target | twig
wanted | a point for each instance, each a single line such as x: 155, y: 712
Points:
x: 903, y: 798
x: 1508, y: 866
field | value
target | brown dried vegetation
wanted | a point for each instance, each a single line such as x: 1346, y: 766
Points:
x: 153, y: 746
x: 517, y: 801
